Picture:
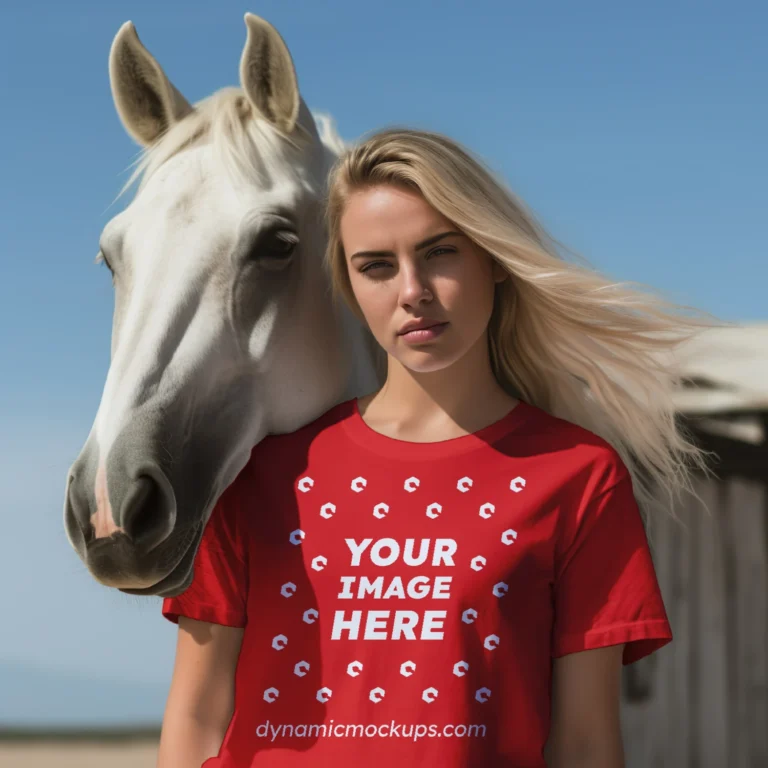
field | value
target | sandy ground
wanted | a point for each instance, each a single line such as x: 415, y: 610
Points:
x: 68, y: 754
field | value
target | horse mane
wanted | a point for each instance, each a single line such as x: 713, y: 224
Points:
x: 246, y: 147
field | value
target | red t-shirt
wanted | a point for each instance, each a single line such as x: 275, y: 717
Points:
x: 403, y: 602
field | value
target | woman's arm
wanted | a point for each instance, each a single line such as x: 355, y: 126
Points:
x: 586, y: 700
x: 201, y: 696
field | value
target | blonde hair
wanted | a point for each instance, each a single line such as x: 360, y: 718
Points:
x: 561, y: 336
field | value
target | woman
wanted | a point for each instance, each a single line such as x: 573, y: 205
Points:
x: 452, y: 570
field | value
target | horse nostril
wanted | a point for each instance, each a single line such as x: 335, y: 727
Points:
x: 148, y: 512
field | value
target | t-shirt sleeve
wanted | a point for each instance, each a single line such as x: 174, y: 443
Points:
x: 218, y: 592
x: 605, y: 589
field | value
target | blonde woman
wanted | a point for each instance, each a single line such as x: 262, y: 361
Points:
x: 450, y: 571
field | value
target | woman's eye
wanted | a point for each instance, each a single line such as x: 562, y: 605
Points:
x: 374, y: 264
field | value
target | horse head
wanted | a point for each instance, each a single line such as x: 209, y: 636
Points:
x: 223, y: 328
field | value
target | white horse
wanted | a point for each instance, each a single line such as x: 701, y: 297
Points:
x: 224, y: 326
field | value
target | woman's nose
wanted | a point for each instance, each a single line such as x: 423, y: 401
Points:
x: 415, y: 285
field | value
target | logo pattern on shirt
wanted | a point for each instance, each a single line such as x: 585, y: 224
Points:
x: 441, y: 551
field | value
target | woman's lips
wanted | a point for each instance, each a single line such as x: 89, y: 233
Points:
x: 424, y: 334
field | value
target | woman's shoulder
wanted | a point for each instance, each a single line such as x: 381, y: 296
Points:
x: 580, y: 446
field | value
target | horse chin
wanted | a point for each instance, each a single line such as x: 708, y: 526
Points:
x: 176, y: 580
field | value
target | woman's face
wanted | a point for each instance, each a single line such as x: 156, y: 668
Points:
x: 408, y: 262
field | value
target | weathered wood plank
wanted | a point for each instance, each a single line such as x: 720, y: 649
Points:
x: 732, y: 546
x: 664, y: 532
x: 711, y: 668
x: 643, y: 683
x: 748, y: 506
x: 672, y: 746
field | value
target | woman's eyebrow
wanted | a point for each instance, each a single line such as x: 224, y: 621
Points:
x: 423, y: 244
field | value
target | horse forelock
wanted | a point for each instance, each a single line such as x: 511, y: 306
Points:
x: 248, y: 147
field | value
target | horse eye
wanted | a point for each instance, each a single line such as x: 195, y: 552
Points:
x: 283, y: 244
x: 275, y: 249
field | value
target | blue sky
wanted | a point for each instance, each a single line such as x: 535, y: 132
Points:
x: 635, y: 131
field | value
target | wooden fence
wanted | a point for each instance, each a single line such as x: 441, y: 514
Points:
x: 702, y: 700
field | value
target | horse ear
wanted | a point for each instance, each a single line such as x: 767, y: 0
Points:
x: 267, y: 74
x: 146, y: 101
